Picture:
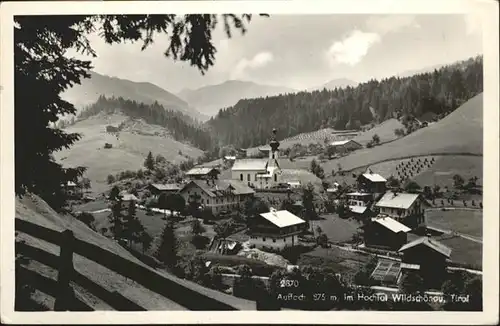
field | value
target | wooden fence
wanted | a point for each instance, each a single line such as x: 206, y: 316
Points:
x: 63, y: 291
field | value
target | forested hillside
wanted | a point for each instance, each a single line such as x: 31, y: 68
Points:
x: 435, y: 94
x: 155, y: 113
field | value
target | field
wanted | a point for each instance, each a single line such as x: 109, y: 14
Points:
x: 440, y: 172
x: 341, y: 261
x: 464, y: 251
x: 469, y: 222
x: 385, y: 131
x: 128, y: 151
x: 461, y: 132
x: 337, y: 230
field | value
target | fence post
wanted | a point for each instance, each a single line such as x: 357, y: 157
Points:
x: 65, y: 294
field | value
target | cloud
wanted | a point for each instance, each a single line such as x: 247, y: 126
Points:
x: 390, y: 23
x: 260, y: 60
x: 352, y: 48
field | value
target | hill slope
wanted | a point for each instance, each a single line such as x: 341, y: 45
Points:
x: 33, y: 209
x: 128, y: 151
x: 91, y: 88
x: 249, y: 122
x: 210, y: 99
x: 461, y: 132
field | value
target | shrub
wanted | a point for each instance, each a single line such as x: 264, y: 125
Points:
x: 110, y: 179
x: 87, y: 218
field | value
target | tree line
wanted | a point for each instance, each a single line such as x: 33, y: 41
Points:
x: 426, y: 96
x: 174, y: 121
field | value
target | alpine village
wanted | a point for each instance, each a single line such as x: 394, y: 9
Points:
x: 364, y: 197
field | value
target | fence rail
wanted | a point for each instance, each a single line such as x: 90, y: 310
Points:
x: 67, y: 275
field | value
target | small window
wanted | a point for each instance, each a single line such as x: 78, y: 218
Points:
x: 202, y: 200
x: 274, y: 240
x: 255, y: 176
x: 264, y: 239
x: 284, y: 239
x: 241, y: 176
x: 208, y: 202
x: 248, y: 177
x: 275, y: 178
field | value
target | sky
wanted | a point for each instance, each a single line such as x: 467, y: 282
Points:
x: 304, y: 51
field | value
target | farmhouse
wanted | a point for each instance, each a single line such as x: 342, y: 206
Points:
x: 403, y: 207
x: 344, y: 146
x: 426, y: 256
x: 371, y: 182
x: 383, y: 231
x: 218, y: 195
x: 157, y: 189
x: 359, y: 202
x: 203, y: 173
x: 359, y: 198
x: 259, y: 173
x: 72, y: 188
x: 275, y: 230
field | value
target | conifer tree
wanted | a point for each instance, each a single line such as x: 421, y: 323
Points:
x: 167, y: 251
x: 149, y: 162
x: 132, y: 227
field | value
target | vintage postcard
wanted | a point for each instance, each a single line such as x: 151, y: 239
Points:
x: 324, y: 162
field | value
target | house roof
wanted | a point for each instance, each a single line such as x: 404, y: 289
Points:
x: 217, y: 188
x: 230, y: 157
x: 168, y: 186
x: 250, y: 164
x: 398, y: 200
x: 282, y: 218
x: 201, y: 170
x: 359, y: 194
x: 129, y: 197
x: 391, y: 224
x: 265, y: 148
x: 374, y: 177
x: 293, y: 182
x: 410, y: 266
x: 428, y: 242
x: 71, y: 184
x: 357, y: 209
x: 343, y: 142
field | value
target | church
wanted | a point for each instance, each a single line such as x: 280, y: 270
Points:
x: 259, y: 173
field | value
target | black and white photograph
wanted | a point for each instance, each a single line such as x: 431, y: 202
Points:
x: 195, y: 160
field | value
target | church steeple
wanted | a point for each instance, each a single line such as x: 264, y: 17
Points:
x: 274, y: 144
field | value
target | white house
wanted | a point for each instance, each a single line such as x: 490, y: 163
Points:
x: 346, y: 145
x: 275, y: 230
x: 403, y: 207
x: 218, y: 195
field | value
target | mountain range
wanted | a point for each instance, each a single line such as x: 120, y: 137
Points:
x: 91, y: 88
x: 210, y: 99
